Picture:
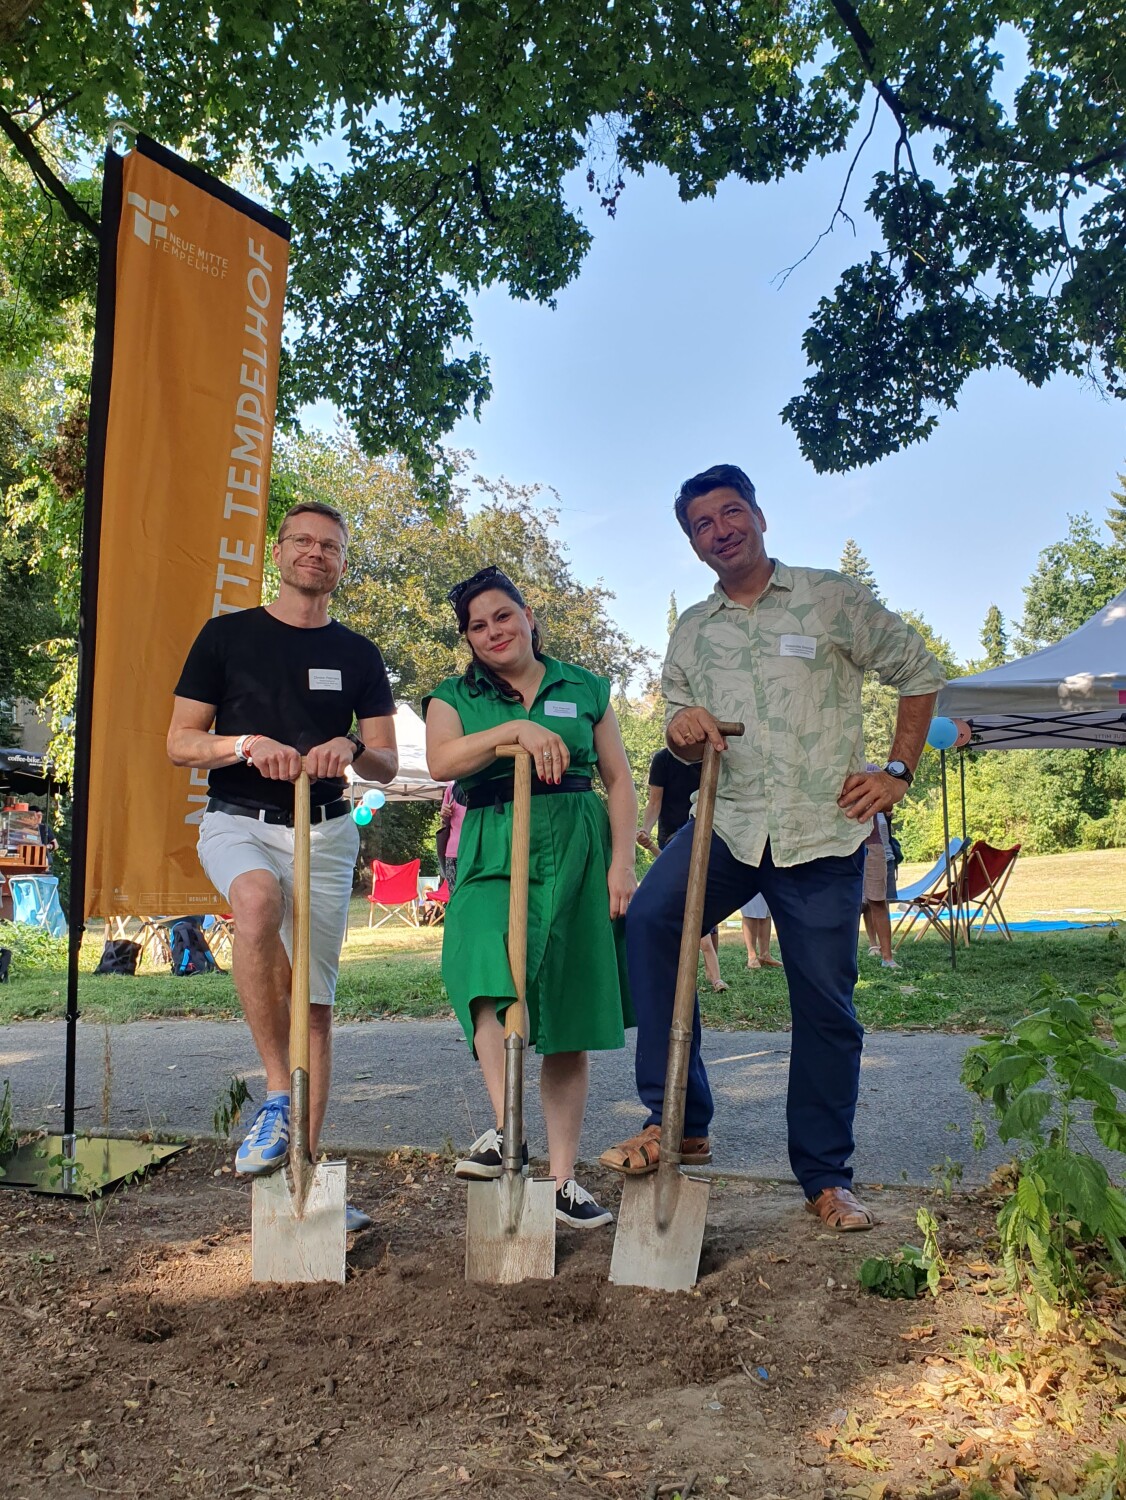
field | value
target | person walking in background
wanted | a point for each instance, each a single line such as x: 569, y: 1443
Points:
x: 879, y: 888
x: 784, y: 650
x: 581, y: 878
x: 672, y: 785
x: 276, y: 684
x: 451, y: 815
x: 756, y: 934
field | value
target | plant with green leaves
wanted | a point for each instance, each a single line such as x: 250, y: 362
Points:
x: 228, y: 1112
x: 912, y: 1270
x: 1057, y: 1068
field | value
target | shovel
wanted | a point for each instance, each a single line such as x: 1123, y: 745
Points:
x: 661, y: 1221
x: 510, y: 1223
x: 297, y: 1227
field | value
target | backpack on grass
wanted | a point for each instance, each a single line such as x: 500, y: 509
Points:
x: 190, y: 953
x: 119, y: 956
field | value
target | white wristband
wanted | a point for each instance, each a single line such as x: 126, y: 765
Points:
x: 240, y: 745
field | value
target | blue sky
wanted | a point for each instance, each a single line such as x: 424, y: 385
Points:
x: 675, y: 349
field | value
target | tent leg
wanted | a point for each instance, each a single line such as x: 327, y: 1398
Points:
x: 954, y: 911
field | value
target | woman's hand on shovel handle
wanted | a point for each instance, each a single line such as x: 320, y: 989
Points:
x: 275, y: 761
x: 622, y: 883
x: 550, y: 756
x: 691, y: 729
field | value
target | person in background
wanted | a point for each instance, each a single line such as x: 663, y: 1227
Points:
x: 672, y: 785
x: 581, y: 876
x: 879, y: 888
x: 756, y: 934
x: 46, y: 835
x: 451, y: 815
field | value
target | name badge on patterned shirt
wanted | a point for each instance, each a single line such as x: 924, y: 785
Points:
x: 798, y: 645
x: 555, y: 710
x: 327, y: 679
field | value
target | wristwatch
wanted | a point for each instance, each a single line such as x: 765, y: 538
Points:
x: 897, y: 769
x: 358, y: 747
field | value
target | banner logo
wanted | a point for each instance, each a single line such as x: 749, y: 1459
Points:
x: 150, y: 217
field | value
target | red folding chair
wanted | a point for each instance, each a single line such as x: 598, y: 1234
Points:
x: 985, y: 874
x: 394, y: 889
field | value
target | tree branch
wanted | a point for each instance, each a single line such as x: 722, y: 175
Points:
x: 52, y: 185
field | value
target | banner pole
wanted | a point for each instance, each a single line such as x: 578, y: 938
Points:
x: 88, y: 615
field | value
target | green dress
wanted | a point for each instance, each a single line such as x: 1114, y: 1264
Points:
x: 578, y: 996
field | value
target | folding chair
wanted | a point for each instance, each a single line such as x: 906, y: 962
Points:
x: 394, y: 889
x: 985, y: 874
x: 929, y: 899
x: 220, y: 932
x: 433, y: 909
x: 35, y: 900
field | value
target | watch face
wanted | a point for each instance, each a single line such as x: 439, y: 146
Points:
x: 896, y: 768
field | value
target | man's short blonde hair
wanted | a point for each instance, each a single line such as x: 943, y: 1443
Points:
x: 313, y: 508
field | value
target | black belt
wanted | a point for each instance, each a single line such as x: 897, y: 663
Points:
x: 320, y: 814
x: 497, y: 794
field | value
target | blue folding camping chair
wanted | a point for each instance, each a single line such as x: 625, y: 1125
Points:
x: 35, y: 900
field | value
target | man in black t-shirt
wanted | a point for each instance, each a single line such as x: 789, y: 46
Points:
x: 672, y: 785
x: 275, y: 684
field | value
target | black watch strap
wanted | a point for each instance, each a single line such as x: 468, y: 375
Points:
x: 897, y: 769
x: 358, y: 747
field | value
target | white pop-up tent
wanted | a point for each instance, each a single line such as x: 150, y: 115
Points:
x: 414, y: 782
x: 1070, y: 696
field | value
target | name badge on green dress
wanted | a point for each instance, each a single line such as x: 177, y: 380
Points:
x: 555, y: 710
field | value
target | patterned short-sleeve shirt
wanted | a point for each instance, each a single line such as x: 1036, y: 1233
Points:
x: 791, y: 667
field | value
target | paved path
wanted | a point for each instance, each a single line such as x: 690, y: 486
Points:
x: 413, y: 1083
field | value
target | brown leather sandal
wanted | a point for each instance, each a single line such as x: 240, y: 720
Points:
x: 837, y: 1208
x: 642, y: 1153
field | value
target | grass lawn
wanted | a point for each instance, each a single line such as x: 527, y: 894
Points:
x: 395, y: 971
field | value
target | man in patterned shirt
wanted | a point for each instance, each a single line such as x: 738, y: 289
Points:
x: 785, y: 651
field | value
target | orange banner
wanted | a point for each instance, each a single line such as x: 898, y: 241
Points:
x: 197, y: 314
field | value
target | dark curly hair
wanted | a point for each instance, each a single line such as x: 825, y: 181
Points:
x: 718, y: 477
x: 478, y: 673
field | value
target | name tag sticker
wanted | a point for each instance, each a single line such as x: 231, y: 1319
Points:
x: 798, y: 645
x: 325, y: 679
x: 556, y: 710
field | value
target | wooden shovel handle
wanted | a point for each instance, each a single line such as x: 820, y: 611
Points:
x: 299, y: 981
x: 515, y: 1023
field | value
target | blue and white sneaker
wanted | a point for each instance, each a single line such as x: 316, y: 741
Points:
x: 266, y: 1144
x: 577, y: 1208
x: 355, y: 1219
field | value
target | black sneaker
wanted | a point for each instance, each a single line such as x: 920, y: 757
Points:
x: 485, y: 1158
x: 576, y: 1207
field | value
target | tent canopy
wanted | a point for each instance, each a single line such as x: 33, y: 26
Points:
x: 1069, y: 696
x: 23, y: 771
x: 414, y: 782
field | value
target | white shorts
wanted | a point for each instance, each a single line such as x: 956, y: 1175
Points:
x: 756, y: 907
x: 230, y: 846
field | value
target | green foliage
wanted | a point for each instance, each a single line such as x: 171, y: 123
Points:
x: 1073, y: 1048
x: 994, y: 639
x: 33, y: 948
x: 1073, y: 580
x: 912, y: 1270
x: 228, y: 1111
x: 458, y: 130
x: 854, y: 564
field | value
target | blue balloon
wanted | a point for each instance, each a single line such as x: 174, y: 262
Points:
x: 361, y: 815
x: 942, y: 734
x: 375, y: 798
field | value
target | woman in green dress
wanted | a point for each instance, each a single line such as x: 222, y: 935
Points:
x: 581, y: 876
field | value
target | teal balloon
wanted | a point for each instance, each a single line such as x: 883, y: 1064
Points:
x: 375, y: 798
x: 361, y: 815
x: 942, y: 734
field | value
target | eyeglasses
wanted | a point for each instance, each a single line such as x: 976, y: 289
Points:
x: 491, y: 574
x: 303, y: 542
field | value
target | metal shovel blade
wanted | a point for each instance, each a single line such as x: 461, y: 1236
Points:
x: 510, y: 1230
x: 288, y: 1246
x: 658, y: 1243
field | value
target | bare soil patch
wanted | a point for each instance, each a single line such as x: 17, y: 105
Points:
x: 140, y: 1360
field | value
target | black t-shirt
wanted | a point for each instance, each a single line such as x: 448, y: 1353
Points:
x: 301, y: 687
x: 678, y: 783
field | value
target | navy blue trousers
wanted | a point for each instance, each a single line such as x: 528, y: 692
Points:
x: 816, y: 912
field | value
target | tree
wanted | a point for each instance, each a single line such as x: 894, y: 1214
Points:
x: 674, y: 613
x: 404, y: 556
x: 998, y: 200
x: 994, y: 638
x: 1073, y: 580
x: 1116, y: 514
x: 854, y: 564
